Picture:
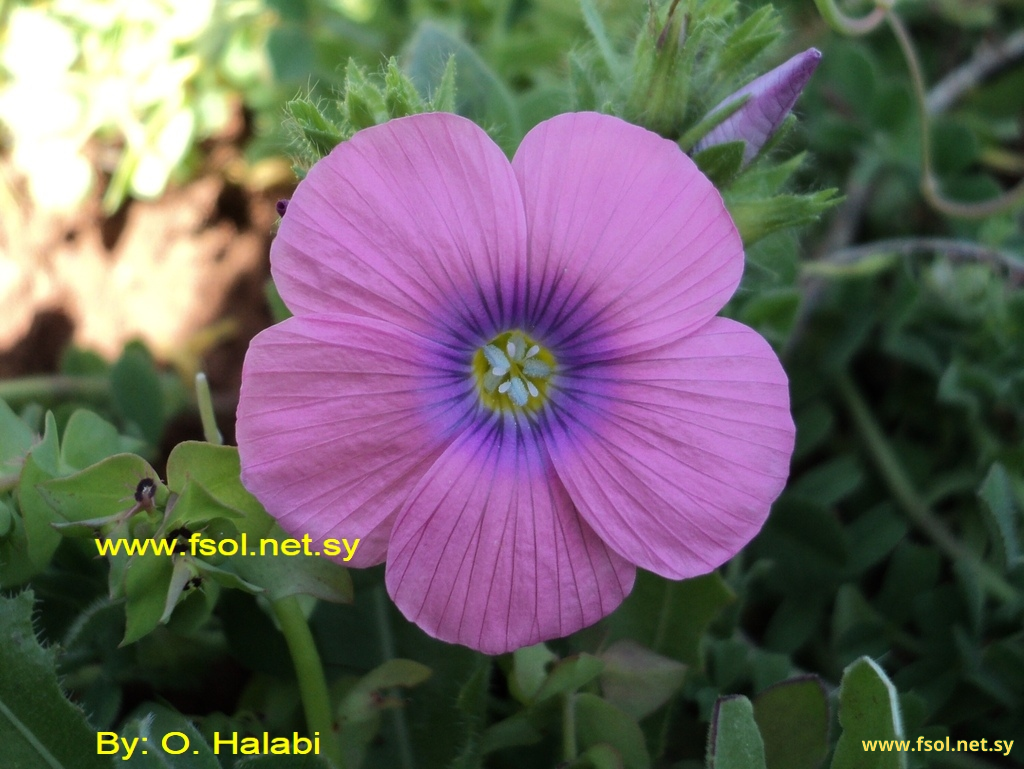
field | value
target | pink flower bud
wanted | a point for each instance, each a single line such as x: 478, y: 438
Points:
x: 771, y: 97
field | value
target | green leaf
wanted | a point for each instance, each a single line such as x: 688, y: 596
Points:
x: 1004, y: 512
x: 670, y: 617
x: 868, y: 710
x: 88, y: 439
x: 104, y: 489
x: 138, y: 397
x: 218, y: 470
x: 16, y: 438
x: 756, y: 218
x: 599, y: 757
x: 165, y: 740
x: 721, y: 162
x: 147, y: 580
x: 568, y: 675
x: 793, y: 718
x: 283, y: 575
x: 598, y: 722
x: 595, y: 25
x: 734, y: 741
x: 283, y: 762
x: 530, y: 668
x: 638, y: 681
x: 39, y: 728
x: 29, y: 549
x: 482, y: 96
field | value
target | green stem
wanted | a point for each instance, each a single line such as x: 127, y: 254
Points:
x: 909, y: 499
x: 309, y: 671
x: 209, y: 419
x: 569, y: 748
x: 47, y: 388
x: 929, y: 181
x: 842, y: 23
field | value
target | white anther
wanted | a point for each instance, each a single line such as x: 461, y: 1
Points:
x: 532, y: 388
x: 503, y: 387
x: 511, y: 348
x: 499, y: 363
x: 533, y: 351
x: 517, y: 391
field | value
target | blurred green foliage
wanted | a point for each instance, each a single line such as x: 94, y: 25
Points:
x: 884, y: 598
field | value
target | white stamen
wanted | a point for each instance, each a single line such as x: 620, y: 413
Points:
x: 511, y: 348
x: 500, y: 364
x: 533, y: 351
x: 503, y: 387
x: 532, y: 388
x: 517, y: 391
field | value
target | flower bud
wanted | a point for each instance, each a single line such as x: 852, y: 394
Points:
x: 770, y: 98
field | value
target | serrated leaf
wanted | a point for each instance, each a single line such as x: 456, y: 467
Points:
x: 472, y: 704
x: 39, y: 727
x: 756, y: 218
x: 600, y: 723
x: 734, y: 741
x: 792, y: 718
x: 868, y: 711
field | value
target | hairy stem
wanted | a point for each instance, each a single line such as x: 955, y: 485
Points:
x: 309, y: 671
x: 842, y: 23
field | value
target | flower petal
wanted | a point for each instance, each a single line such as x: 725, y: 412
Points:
x: 489, y: 551
x: 338, y: 419
x: 628, y: 239
x: 409, y: 221
x: 674, y: 457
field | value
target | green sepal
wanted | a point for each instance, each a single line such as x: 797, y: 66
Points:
x: 756, y: 218
x: 317, y: 135
x: 721, y: 162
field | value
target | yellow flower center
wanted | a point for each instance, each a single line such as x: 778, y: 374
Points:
x: 513, y: 371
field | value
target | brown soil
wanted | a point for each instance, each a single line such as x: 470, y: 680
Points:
x: 184, y: 273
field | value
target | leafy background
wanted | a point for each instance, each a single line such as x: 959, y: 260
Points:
x: 884, y: 596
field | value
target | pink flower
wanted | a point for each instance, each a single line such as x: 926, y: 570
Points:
x: 507, y: 379
x: 770, y: 98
